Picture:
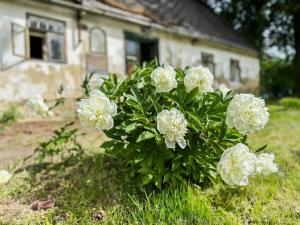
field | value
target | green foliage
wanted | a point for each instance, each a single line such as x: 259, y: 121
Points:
x: 276, y: 78
x: 63, y: 146
x: 290, y: 102
x: 135, y: 139
x: 10, y: 115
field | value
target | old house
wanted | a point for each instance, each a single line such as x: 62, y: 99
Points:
x: 45, y: 43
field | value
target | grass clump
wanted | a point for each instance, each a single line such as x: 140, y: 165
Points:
x: 290, y: 102
x: 10, y: 115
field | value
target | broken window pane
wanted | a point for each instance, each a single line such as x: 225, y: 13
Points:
x: 98, y: 41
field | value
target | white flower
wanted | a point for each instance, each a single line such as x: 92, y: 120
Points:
x: 199, y: 77
x: 172, y: 124
x: 164, y: 79
x: 5, y: 176
x: 37, y: 104
x: 224, y: 89
x: 236, y: 165
x: 264, y: 164
x: 247, y: 113
x: 96, y: 111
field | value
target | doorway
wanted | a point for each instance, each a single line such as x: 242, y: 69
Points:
x: 139, y: 49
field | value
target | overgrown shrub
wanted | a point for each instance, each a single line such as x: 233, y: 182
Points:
x: 290, y: 102
x: 276, y: 78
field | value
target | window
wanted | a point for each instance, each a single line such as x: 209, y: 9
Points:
x: 96, y: 60
x: 235, y: 71
x: 139, y: 49
x: 97, y: 41
x: 46, y: 39
x: 208, y: 61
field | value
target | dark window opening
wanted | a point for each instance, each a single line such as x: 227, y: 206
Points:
x: 235, y: 71
x: 138, y: 50
x: 36, y: 47
x: 208, y: 61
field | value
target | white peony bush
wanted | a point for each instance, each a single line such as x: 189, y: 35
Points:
x: 247, y: 114
x: 171, y: 126
x: 96, y: 111
x: 37, y: 104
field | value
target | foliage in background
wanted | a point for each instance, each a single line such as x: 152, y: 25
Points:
x: 267, y: 24
x: 290, y: 103
x: 137, y: 142
x: 276, y: 78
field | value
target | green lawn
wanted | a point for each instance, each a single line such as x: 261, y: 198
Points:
x: 101, y: 184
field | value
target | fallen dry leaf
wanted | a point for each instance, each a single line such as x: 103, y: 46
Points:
x: 38, y: 205
x: 100, y: 215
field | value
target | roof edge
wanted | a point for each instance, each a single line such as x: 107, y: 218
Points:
x: 123, y: 15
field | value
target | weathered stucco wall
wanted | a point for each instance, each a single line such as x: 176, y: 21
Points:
x: 27, y: 77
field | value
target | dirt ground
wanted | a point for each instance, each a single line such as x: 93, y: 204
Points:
x: 20, y: 139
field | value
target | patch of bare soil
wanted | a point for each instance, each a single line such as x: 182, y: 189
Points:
x: 20, y: 139
x: 13, y: 209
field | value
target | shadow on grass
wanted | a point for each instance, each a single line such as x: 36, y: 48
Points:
x: 97, y: 181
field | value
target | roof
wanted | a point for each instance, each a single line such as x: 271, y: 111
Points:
x: 193, y: 15
x: 191, y: 18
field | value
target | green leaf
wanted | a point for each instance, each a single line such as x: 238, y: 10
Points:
x: 196, y: 118
x: 157, y: 106
x: 191, y: 96
x: 145, y: 136
x: 173, y: 98
x: 222, y: 130
x: 147, y: 179
x: 131, y: 127
x: 108, y: 144
x: 261, y: 148
x: 181, y: 91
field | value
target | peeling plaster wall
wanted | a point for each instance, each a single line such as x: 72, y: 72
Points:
x: 22, y: 78
x: 28, y: 77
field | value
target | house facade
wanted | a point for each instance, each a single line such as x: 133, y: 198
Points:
x: 48, y: 43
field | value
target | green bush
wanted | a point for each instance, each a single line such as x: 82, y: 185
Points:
x: 10, y: 115
x: 290, y: 102
x: 136, y: 141
x: 276, y: 78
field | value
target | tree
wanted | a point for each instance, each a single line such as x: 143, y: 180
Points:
x: 266, y: 23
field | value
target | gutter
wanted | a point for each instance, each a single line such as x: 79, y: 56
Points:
x: 105, y: 10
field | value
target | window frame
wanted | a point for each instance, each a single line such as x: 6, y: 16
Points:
x: 239, y: 69
x: 90, y: 41
x: 64, y: 53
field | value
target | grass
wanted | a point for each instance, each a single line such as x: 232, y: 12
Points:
x: 100, y: 183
